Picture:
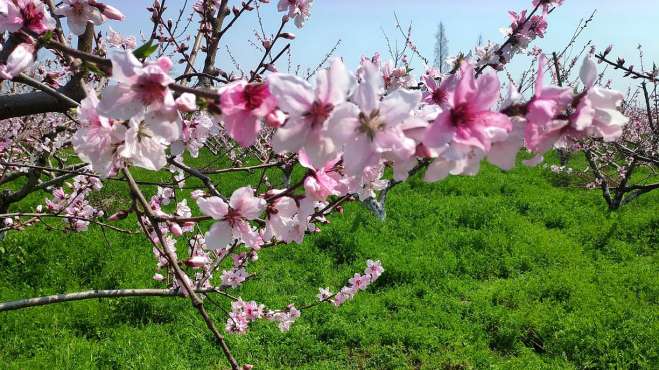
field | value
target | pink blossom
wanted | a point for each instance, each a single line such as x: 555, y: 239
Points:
x: 469, y: 118
x: 282, y: 221
x: 286, y: 318
x: 275, y: 119
x: 371, y: 127
x: 242, y: 313
x: 78, y: 13
x: 300, y: 10
x: 600, y: 106
x: 309, y: 111
x: 175, y: 229
x: 322, y: 182
x: 234, y: 277
x: 142, y: 92
x: 545, y: 127
x: 324, y: 294
x: 195, y: 134
x: 525, y: 31
x: 464, y: 132
x: 143, y: 147
x: 109, y: 11
x: 187, y: 102
x: 395, y: 78
x: 233, y: 218
x: 506, y: 146
x: 31, y: 14
x: 360, y: 282
x: 97, y: 139
x: 366, y: 184
x: 438, y: 93
x: 10, y: 17
x: 197, y: 261
x: 115, y: 39
x: 373, y: 269
x: 20, y: 59
x: 548, y: 2
x: 287, y: 219
x: 236, y: 324
x: 243, y: 106
x: 345, y: 294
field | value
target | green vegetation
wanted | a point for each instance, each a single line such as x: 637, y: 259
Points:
x: 512, y: 270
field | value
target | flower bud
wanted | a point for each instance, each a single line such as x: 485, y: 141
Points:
x: 175, y: 229
x: 118, y: 216
x: 187, y: 102
x: 287, y: 35
x: 275, y: 119
x: 196, y: 194
x: 607, y: 50
x: 110, y: 12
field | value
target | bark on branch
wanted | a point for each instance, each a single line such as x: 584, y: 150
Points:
x: 93, y: 294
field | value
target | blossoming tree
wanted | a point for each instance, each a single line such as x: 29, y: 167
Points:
x: 119, y: 107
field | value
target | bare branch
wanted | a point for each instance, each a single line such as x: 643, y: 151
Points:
x: 94, y: 294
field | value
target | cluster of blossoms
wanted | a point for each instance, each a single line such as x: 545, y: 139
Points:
x: 22, y: 18
x: 136, y: 119
x: 557, y: 116
x: 79, y: 13
x: 358, y: 282
x: 74, y: 206
x: 243, y: 313
x: 524, y: 28
x: 345, y: 131
x: 116, y: 40
x: 27, y: 19
x: 299, y: 10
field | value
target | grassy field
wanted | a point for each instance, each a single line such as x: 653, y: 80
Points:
x: 511, y: 271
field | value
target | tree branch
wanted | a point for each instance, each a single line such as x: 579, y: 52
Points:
x: 93, y: 294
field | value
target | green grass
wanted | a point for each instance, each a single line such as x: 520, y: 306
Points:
x: 507, y: 271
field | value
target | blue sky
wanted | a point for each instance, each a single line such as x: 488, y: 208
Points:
x: 359, y: 24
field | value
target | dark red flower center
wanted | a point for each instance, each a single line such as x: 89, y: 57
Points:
x: 318, y: 113
x: 439, y: 96
x: 150, y: 90
x: 255, y: 95
x: 31, y: 15
x: 232, y: 217
x: 461, y: 115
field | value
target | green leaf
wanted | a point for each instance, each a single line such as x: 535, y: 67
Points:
x: 145, y: 50
x: 46, y: 37
x: 94, y: 69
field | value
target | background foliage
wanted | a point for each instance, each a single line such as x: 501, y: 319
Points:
x: 519, y: 270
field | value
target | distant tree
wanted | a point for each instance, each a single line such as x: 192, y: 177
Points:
x: 441, y: 49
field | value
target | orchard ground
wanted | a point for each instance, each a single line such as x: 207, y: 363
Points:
x: 520, y: 270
